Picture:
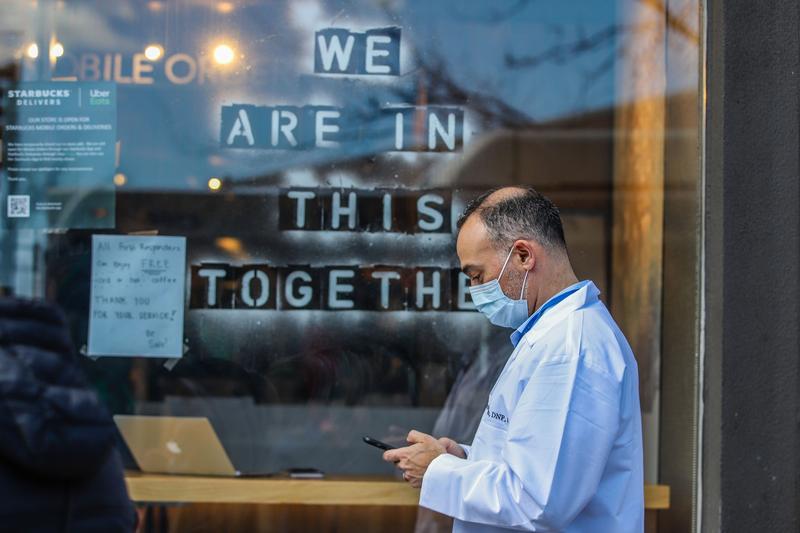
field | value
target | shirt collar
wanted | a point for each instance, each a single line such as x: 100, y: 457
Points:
x: 520, y: 332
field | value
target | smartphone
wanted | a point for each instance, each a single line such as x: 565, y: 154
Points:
x: 305, y: 473
x: 378, y: 444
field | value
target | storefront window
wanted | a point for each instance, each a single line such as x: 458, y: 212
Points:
x: 247, y: 209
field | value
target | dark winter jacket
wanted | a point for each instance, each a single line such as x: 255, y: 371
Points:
x: 59, y: 470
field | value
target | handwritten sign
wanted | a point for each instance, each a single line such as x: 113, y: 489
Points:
x: 137, y: 296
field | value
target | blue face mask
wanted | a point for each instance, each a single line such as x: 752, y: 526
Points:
x: 501, y: 310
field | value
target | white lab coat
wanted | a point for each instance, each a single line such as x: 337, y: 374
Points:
x: 559, y: 447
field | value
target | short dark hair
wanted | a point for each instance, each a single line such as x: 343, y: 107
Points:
x: 528, y: 215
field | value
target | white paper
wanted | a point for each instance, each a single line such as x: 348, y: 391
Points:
x: 137, y: 297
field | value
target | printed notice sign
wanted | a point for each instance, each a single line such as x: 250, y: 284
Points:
x: 59, y: 155
x: 137, y: 296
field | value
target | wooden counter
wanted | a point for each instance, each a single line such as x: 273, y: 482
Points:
x: 380, y: 491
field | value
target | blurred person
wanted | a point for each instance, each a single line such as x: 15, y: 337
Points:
x: 59, y: 470
x: 462, y: 410
x: 559, y: 444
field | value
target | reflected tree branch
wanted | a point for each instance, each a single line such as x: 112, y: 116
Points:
x: 561, y: 53
x: 498, y: 15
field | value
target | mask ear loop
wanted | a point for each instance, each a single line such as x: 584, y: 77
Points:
x: 511, y: 251
x: 524, y: 283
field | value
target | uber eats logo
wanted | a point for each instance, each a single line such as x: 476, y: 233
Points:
x: 99, y: 97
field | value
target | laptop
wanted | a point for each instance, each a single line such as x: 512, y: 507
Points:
x: 176, y: 445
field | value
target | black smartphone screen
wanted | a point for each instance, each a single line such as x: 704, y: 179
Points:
x: 378, y: 444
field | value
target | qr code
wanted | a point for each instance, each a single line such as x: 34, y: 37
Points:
x: 19, y: 206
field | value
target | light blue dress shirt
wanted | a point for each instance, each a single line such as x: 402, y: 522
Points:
x: 559, y: 447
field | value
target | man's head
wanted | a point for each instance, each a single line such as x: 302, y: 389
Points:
x: 519, y: 221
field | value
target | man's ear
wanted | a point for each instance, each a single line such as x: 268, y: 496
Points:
x: 526, y: 254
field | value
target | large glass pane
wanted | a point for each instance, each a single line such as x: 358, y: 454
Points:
x: 247, y: 209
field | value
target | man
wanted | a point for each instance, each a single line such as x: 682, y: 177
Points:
x: 559, y: 446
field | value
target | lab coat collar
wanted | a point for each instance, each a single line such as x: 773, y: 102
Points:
x: 554, y: 310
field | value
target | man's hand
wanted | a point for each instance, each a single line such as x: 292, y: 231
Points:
x: 414, y: 460
x: 452, y: 447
